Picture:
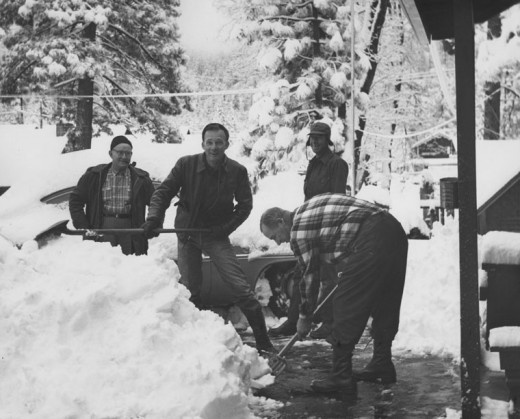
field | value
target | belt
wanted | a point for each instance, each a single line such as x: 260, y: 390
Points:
x: 117, y: 215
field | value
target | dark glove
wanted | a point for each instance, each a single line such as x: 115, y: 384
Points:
x: 218, y: 232
x: 149, y: 227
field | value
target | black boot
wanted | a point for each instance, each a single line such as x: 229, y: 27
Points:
x: 321, y: 332
x: 288, y: 327
x: 340, y: 381
x: 255, y: 318
x: 380, y: 368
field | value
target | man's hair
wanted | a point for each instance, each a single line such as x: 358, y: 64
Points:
x: 271, y: 216
x: 214, y: 126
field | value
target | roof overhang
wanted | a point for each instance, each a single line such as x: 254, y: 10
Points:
x: 433, y: 19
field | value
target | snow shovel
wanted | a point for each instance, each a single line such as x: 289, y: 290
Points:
x: 61, y: 228
x: 277, y: 362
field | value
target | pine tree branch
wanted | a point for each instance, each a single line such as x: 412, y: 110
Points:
x: 118, y: 86
x: 64, y: 83
x: 22, y: 71
x: 111, y: 46
x: 510, y: 89
x: 299, y: 19
x: 143, y: 48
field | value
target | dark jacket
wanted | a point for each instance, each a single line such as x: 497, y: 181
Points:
x: 185, y: 179
x: 325, y: 174
x: 86, y: 201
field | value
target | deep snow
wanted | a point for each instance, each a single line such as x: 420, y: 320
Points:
x: 86, y: 332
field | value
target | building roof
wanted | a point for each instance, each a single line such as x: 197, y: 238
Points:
x: 436, y: 16
x: 497, y: 165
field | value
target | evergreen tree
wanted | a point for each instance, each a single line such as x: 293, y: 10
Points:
x: 305, y: 49
x: 71, y: 47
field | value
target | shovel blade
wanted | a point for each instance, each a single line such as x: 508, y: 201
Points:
x: 54, y: 230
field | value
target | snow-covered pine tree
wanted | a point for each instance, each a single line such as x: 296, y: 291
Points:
x: 71, y: 47
x: 305, y: 49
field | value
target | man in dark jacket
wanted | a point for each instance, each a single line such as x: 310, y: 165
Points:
x: 208, y: 184
x: 114, y: 195
x: 326, y: 173
x: 368, y: 248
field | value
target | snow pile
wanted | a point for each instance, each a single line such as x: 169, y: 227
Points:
x: 87, y: 332
x: 430, y: 310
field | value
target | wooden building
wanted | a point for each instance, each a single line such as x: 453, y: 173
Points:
x: 498, y: 185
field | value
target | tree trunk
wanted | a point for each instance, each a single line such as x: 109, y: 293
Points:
x: 80, y: 138
x: 492, y: 90
x: 316, y: 50
x: 372, y: 53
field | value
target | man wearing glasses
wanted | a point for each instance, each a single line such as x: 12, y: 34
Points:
x: 115, y: 196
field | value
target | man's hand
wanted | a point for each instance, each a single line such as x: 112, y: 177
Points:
x: 303, y: 327
x: 92, y: 235
x: 149, y: 227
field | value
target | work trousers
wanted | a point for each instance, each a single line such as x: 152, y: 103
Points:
x: 122, y: 240
x: 328, y: 280
x: 371, y: 282
x: 225, y: 261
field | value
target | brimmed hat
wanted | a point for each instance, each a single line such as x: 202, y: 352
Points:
x: 120, y: 139
x: 320, y: 128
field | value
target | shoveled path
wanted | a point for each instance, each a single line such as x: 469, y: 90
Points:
x: 426, y: 386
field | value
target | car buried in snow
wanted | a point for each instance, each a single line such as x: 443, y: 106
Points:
x: 275, y: 270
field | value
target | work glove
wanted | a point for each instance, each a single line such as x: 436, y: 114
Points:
x: 92, y: 235
x: 218, y: 232
x: 303, y: 326
x: 149, y: 227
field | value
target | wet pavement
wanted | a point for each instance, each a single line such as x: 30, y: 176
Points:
x: 426, y: 387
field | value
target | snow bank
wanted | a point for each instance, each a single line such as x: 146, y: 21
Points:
x: 87, y: 332
x: 430, y: 310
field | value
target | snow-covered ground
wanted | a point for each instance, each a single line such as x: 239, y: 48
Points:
x: 86, y: 332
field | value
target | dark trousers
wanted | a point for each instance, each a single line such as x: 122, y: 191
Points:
x: 225, y: 261
x: 371, y: 282
x: 122, y: 240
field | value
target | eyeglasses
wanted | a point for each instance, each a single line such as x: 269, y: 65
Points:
x: 123, y: 153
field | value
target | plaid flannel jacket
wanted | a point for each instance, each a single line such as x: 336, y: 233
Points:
x: 323, y: 230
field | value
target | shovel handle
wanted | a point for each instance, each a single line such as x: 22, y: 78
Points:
x: 136, y: 230
x: 81, y: 232
x: 296, y: 337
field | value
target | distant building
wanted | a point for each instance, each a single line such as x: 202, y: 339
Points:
x: 436, y: 147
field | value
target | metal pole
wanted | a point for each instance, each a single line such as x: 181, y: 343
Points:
x: 468, y: 251
x: 353, y: 106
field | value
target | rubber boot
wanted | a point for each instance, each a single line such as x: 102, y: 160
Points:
x: 322, y: 332
x: 255, y: 318
x: 288, y: 327
x: 340, y: 381
x: 380, y: 368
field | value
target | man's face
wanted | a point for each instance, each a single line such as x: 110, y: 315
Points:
x: 279, y: 233
x: 215, y: 146
x: 121, y: 156
x: 319, y: 143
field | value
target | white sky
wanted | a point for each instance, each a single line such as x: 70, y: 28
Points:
x: 202, y: 26
x: 88, y: 332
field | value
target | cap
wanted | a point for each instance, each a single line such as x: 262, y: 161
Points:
x: 120, y: 139
x: 320, y: 128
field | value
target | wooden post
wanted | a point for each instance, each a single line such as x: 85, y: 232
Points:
x: 468, y: 252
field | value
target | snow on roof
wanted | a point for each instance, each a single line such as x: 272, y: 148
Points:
x: 504, y: 337
x: 501, y: 247
x: 498, y: 161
